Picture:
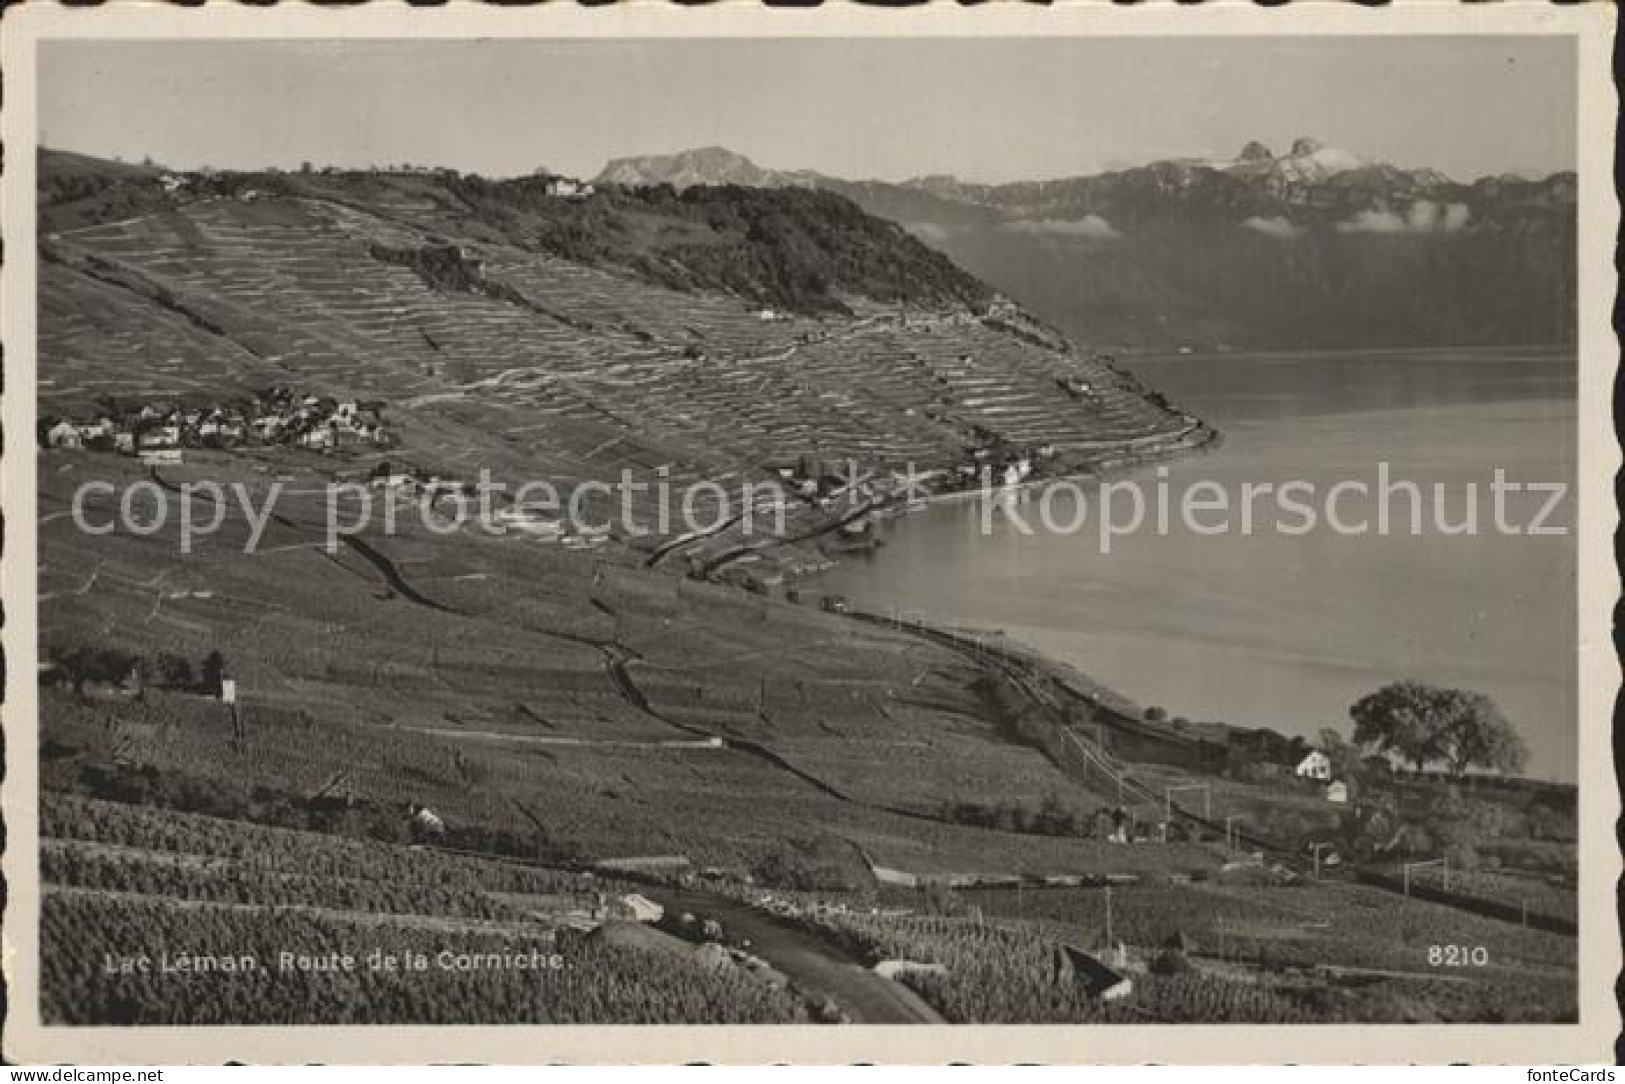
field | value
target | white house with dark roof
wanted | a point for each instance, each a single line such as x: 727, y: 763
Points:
x: 64, y: 434
x: 1316, y: 766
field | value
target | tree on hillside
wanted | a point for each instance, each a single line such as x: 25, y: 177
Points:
x: 1370, y: 826
x: 86, y: 665
x: 1484, y: 737
x: 174, y: 671
x: 213, y: 674
x: 1348, y: 760
x: 1429, y: 723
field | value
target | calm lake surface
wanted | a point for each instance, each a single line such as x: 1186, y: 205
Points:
x: 1271, y: 629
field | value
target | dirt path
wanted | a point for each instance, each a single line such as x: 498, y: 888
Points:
x: 501, y: 736
x: 391, y: 574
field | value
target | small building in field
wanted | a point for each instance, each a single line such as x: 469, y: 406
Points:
x: 97, y: 435
x: 64, y: 434
x: 1337, y: 791
x: 158, y: 437
x: 1316, y: 766
x: 894, y: 878
x: 642, y: 908
x: 393, y: 479
x: 568, y: 188
x: 320, y: 437
x: 162, y: 457
x: 425, y: 819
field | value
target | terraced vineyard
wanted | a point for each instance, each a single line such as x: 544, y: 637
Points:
x: 1518, y: 894
x: 126, y: 884
x: 1312, y: 954
x: 493, y: 351
x: 1324, y: 925
x: 504, y: 680
x: 293, y: 280
x: 574, y: 700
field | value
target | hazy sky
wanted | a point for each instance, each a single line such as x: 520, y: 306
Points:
x: 986, y: 109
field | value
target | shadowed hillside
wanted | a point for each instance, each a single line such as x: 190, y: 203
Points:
x: 801, y: 250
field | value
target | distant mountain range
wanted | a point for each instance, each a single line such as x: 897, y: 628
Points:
x: 1316, y: 247
x: 705, y: 166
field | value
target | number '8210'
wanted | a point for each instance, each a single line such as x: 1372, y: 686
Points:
x: 1458, y: 956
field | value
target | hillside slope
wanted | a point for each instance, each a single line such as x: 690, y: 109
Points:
x: 801, y: 250
x: 578, y: 337
x: 561, y: 678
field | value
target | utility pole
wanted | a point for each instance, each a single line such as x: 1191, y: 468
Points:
x: 1230, y: 834
x: 1318, y: 846
x: 1109, y: 939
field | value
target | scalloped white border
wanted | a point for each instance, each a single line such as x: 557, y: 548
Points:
x: 1599, y: 458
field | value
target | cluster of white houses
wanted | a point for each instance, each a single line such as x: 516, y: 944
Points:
x: 279, y: 416
x: 567, y: 188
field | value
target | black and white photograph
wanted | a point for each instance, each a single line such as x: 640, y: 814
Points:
x: 819, y: 529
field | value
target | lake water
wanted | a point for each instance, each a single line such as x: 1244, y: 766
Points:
x: 1286, y: 631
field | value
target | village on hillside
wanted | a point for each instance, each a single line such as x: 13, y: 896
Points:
x: 158, y: 432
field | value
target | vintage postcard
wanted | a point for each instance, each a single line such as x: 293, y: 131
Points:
x: 1048, y: 534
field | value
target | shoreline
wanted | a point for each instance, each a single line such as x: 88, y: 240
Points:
x: 879, y: 587
x: 1555, y: 350
x: 1097, y: 470
x: 1198, y: 438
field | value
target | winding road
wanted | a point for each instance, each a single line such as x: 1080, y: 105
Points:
x: 812, y: 963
